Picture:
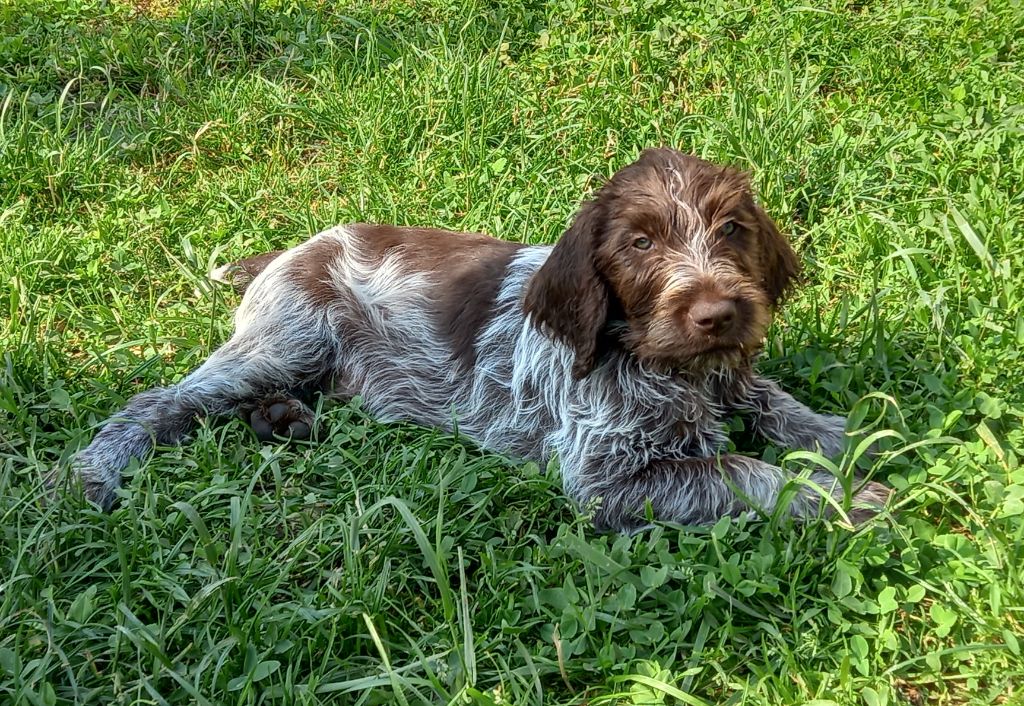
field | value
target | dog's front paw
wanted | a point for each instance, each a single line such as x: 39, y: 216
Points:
x: 868, y: 502
x: 832, y: 435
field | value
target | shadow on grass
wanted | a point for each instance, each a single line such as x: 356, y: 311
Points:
x: 147, y: 51
x: 85, y: 90
x: 49, y: 45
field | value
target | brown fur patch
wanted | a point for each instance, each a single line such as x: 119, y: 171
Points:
x: 467, y: 270
x: 310, y: 269
x: 567, y: 297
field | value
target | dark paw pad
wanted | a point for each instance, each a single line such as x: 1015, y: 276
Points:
x: 282, y: 418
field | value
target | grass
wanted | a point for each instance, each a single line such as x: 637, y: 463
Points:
x: 141, y: 142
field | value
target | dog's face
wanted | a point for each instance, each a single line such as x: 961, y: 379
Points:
x: 672, y: 259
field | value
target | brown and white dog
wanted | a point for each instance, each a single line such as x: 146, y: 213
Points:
x: 622, y: 349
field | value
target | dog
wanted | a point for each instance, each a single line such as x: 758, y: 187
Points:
x: 622, y: 350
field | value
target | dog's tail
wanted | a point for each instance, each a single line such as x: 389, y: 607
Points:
x: 239, y: 275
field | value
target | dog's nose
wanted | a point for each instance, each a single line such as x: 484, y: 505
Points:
x: 713, y: 316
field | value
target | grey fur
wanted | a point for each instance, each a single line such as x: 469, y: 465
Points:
x: 347, y: 316
x: 625, y: 434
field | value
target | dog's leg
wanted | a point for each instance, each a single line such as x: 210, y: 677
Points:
x: 700, y: 491
x: 781, y: 419
x: 234, y: 374
x: 281, y: 344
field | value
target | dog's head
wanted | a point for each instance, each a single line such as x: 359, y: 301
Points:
x: 673, y: 259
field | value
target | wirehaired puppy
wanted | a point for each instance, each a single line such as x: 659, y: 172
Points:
x: 622, y: 349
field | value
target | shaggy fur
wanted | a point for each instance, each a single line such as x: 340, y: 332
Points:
x: 621, y: 350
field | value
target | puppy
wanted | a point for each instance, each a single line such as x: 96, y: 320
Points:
x: 622, y: 349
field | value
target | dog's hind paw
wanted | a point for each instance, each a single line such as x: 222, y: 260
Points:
x: 288, y: 418
x: 98, y: 486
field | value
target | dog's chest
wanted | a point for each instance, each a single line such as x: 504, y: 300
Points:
x: 692, y: 419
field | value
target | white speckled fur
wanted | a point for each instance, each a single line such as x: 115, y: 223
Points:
x: 520, y: 398
x: 627, y: 433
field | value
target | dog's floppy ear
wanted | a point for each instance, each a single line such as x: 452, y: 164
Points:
x: 779, y: 263
x: 567, y: 298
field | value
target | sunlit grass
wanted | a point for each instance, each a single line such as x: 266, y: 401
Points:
x: 142, y: 142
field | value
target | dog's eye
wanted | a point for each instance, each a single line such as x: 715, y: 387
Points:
x: 642, y: 243
x: 728, y: 228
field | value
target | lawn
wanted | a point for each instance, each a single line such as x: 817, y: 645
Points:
x: 143, y: 142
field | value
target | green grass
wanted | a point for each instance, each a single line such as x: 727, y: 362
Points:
x: 396, y: 565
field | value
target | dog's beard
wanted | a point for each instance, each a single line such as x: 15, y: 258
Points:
x: 670, y: 350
